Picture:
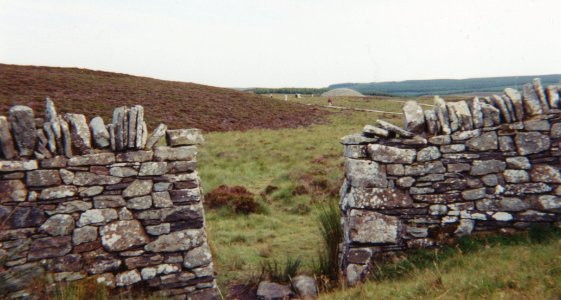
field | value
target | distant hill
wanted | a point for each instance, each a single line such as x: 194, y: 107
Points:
x: 342, y: 92
x: 178, y: 104
x: 445, y: 86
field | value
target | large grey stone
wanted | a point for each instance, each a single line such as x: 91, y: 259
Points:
x: 58, y: 225
x: 526, y: 188
x: 465, y: 227
x: 484, y: 167
x: 555, y: 131
x: 7, y: 147
x: 374, y: 130
x: 138, y: 203
x: 549, y: 203
x: 305, y: 286
x: 153, y: 168
x: 92, y: 159
x: 388, y: 154
x: 122, y: 235
x: 464, y: 135
x: 161, y: 199
x: 43, y: 178
x: 177, y: 241
x: 108, y: 201
x: 22, y: 125
x: 378, y: 198
x: 123, y: 172
x: 271, y: 291
x: 516, y: 99
x: 428, y: 153
x: 545, y: 173
x: 473, y: 194
x: 87, y: 178
x: 413, y: 117
x: 516, y: 176
x: 84, y: 235
x: 518, y: 162
x: 357, y: 139
x: 506, y: 144
x: 365, y: 173
x: 176, y: 153
x: 57, y: 192
x: 99, y: 261
x: 65, y: 139
x: 512, y: 204
x: 537, y: 125
x: 184, y: 137
x: 127, y: 278
x: 441, y: 111
x: 120, y: 126
x: 135, y: 156
x: 79, y: 131
x: 461, y: 109
x: 395, y: 129
x: 532, y: 104
x: 531, y: 142
x: 100, y: 135
x: 197, y: 257
x: 97, y: 216
x: 484, y: 142
x: 373, y: 228
x: 138, y: 188
x: 133, y: 114
x: 71, y: 207
x: 156, y: 135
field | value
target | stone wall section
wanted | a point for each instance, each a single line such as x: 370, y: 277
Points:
x: 484, y: 165
x: 87, y: 199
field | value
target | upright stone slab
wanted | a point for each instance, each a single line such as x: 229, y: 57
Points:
x: 413, y: 117
x: 532, y: 103
x: 100, y: 135
x: 552, y: 93
x: 516, y: 99
x: 476, y: 113
x: 6, y: 142
x: 441, y: 112
x: 22, y: 124
x: 79, y: 132
x: 538, y: 88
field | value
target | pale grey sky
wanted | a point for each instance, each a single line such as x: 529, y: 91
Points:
x: 287, y: 43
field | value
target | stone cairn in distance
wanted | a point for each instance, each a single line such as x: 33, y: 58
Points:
x: 83, y: 199
x: 484, y: 165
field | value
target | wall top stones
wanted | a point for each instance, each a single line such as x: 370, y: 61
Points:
x: 25, y: 136
x: 477, y: 114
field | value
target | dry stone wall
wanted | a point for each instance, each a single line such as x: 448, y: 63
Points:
x: 484, y: 165
x: 86, y: 199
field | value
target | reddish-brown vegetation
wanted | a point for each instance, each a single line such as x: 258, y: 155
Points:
x: 237, y: 197
x: 178, y: 104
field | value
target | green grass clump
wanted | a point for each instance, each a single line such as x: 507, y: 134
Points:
x: 332, y: 235
x: 521, y: 266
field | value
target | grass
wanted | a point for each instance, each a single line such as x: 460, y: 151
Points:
x: 524, y: 266
x: 305, y: 167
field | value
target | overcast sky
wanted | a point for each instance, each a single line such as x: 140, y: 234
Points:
x: 272, y: 43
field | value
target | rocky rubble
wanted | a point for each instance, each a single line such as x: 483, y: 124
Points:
x: 84, y: 199
x: 488, y: 164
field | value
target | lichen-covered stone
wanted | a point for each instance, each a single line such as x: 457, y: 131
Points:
x: 97, y: 216
x: 413, y: 117
x: 100, y: 135
x: 519, y: 162
x: 84, y: 235
x: 43, y: 178
x: 516, y: 99
x: 122, y: 235
x: 22, y: 124
x: 374, y: 130
x: 156, y: 135
x: 97, y: 159
x: 135, y: 156
x: 516, y: 176
x: 12, y: 190
x: 71, y: 207
x: 428, y: 153
x: 364, y: 173
x: 532, y: 104
x: 158, y: 229
x: 153, y: 168
x: 123, y: 172
x: 484, y: 167
x: 138, y: 203
x: 138, y: 188
x: 484, y: 142
x: 79, y: 132
x: 394, y: 129
x: 161, y: 199
x: 372, y: 227
x: 177, y: 241
x: 473, y: 194
x: 57, y: 192
x: 378, y: 198
x: 549, y: 203
x: 357, y: 139
x: 388, y: 154
x: 184, y: 137
x: 545, y: 173
x: 58, y: 225
x: 127, y: 278
x: 177, y: 153
x: 87, y: 178
x: 109, y: 201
